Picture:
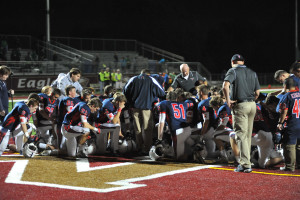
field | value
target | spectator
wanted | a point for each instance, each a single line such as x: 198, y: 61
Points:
x: 113, y: 78
x: 128, y: 62
x: 116, y: 60
x: 119, y: 79
x: 107, y: 77
x: 187, y: 80
x: 141, y: 92
x: 123, y: 64
x: 101, y: 80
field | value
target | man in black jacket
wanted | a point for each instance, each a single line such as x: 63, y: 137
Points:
x: 187, y: 80
x: 141, y: 92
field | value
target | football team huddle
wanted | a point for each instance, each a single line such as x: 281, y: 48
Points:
x: 188, y: 126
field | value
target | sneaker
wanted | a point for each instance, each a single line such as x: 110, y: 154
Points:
x: 286, y: 169
x: 240, y: 168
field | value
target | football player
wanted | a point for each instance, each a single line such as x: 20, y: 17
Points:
x: 17, y: 117
x: 47, y: 113
x: 175, y: 113
x: 210, y: 120
x: 289, y: 108
x: 108, y: 120
x: 75, y: 124
x: 65, y: 106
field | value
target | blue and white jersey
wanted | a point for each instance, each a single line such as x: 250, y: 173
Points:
x: 225, y: 111
x: 192, y: 111
x: 207, y: 112
x: 79, y: 114
x: 19, y: 114
x: 65, y: 106
x: 176, y: 114
x: 107, y: 112
x: 291, y: 102
x: 48, y: 105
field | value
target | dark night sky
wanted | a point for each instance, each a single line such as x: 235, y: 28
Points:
x: 206, y: 31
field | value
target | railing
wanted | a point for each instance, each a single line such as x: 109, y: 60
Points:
x: 156, y: 53
x: 82, y: 54
x: 96, y: 44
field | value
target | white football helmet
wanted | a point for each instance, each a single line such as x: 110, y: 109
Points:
x: 29, y: 150
x: 200, y: 153
x: 127, y: 146
x: 156, y: 152
x: 90, y: 149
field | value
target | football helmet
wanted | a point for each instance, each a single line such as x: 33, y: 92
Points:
x: 200, y: 153
x: 29, y: 150
x: 156, y: 152
x: 127, y: 146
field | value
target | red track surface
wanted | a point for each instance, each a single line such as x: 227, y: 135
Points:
x: 200, y: 184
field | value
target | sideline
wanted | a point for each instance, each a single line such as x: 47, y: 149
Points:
x: 257, y: 172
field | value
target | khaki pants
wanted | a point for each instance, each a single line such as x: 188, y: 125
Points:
x: 143, y: 121
x: 291, y: 153
x: 243, y: 116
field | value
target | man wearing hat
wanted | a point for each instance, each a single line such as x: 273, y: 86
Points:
x: 244, y: 87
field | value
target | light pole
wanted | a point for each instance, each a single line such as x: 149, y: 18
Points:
x: 48, y: 20
x: 296, y: 30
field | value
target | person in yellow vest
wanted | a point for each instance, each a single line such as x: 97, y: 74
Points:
x: 106, y: 77
x: 118, y: 76
x: 101, y: 80
x: 113, y: 78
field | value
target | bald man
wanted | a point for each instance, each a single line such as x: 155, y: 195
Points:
x: 187, y: 80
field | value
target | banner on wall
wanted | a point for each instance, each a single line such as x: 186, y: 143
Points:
x: 34, y: 83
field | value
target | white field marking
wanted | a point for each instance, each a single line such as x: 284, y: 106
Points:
x: 16, y: 173
x: 18, y: 100
x: 83, y: 165
x: 11, y: 155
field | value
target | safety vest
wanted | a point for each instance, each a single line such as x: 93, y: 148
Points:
x: 106, y: 76
x: 101, y: 75
x: 119, y: 76
x: 113, y: 77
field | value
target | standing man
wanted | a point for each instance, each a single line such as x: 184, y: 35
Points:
x: 101, y: 80
x: 244, y: 87
x: 141, y: 92
x: 187, y: 80
x: 106, y: 77
x: 119, y: 79
x: 4, y: 94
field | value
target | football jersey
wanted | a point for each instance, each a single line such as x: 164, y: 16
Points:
x: 291, y: 102
x: 207, y: 112
x: 192, y: 110
x: 225, y: 111
x: 12, y: 119
x: 259, y: 122
x: 176, y: 114
x: 65, y: 106
x: 74, y: 117
x: 107, y: 111
x: 48, y: 105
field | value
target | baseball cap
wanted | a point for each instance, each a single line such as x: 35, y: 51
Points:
x: 237, y: 57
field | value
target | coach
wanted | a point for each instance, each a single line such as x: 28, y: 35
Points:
x: 141, y: 92
x: 244, y: 90
x: 187, y: 80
